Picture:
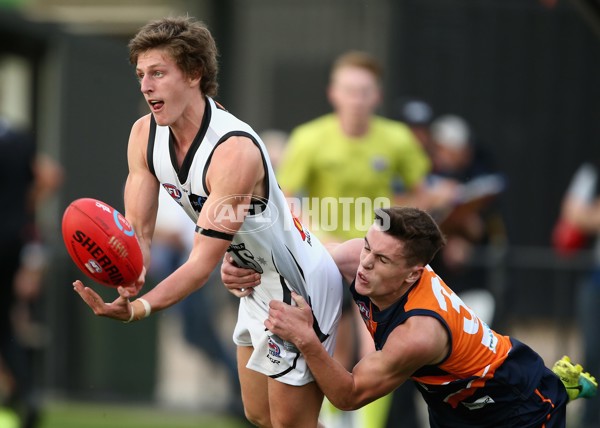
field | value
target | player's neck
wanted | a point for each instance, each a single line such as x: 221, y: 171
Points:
x: 354, y: 128
x: 185, y: 129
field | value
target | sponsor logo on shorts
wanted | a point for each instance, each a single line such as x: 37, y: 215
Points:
x: 274, y: 351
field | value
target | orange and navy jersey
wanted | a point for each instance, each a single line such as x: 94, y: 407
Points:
x: 476, y: 350
x: 485, y: 374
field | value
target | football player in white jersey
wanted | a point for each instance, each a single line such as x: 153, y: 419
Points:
x: 217, y: 169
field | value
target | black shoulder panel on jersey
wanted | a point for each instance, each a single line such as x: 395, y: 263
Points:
x: 263, y: 201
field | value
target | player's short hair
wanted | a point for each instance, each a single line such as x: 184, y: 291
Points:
x: 361, y: 60
x: 188, y: 41
x: 418, y: 231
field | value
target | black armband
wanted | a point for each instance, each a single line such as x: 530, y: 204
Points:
x: 214, y: 233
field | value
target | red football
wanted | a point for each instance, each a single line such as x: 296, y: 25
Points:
x: 101, y: 242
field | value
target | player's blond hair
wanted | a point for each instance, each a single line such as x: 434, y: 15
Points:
x: 190, y: 44
x: 358, y: 59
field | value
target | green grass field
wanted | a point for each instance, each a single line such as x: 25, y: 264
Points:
x: 96, y: 415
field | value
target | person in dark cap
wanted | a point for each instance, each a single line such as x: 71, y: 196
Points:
x: 418, y: 115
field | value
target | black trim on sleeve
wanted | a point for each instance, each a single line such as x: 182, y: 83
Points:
x: 214, y: 233
x: 261, y: 202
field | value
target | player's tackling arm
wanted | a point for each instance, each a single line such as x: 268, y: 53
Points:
x: 347, y: 257
x: 419, y: 341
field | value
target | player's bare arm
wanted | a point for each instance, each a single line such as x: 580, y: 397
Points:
x: 141, y: 206
x: 347, y: 257
x: 141, y: 187
x: 418, y: 342
x: 235, y: 173
x: 233, y: 177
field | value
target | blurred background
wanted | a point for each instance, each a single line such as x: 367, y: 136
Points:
x: 525, y: 74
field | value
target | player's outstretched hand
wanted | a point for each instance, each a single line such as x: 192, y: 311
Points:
x: 119, y: 309
x: 134, y: 289
x: 239, y: 281
x: 291, y: 323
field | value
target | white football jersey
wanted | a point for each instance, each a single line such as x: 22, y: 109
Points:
x: 271, y: 241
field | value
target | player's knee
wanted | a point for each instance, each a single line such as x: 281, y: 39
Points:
x: 286, y: 421
x: 293, y: 419
x: 259, y: 419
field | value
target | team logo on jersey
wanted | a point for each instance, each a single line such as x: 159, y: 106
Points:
x: 243, y: 257
x: 379, y: 163
x: 197, y: 202
x: 479, y: 403
x: 303, y: 233
x: 173, y: 191
x: 299, y: 227
x: 365, y: 313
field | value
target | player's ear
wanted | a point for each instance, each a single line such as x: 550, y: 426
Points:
x: 415, y: 274
x: 195, y: 78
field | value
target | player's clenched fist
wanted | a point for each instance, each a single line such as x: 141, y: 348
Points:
x: 291, y: 323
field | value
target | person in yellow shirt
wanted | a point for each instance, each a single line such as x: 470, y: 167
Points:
x: 337, y: 168
x: 347, y: 159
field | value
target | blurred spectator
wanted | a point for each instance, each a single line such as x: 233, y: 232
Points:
x: 346, y: 163
x: 27, y: 180
x: 581, y: 211
x: 352, y: 153
x: 417, y: 114
x: 465, y: 185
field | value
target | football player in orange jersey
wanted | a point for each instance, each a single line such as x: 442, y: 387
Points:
x: 468, y: 374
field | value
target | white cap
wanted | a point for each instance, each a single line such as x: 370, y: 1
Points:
x: 451, y: 131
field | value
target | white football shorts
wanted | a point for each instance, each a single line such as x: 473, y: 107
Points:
x: 275, y: 357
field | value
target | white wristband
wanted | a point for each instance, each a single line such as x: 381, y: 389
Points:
x: 147, y: 307
x: 132, y: 314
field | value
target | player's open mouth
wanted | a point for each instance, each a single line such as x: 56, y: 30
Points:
x: 362, y: 277
x: 156, y: 105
